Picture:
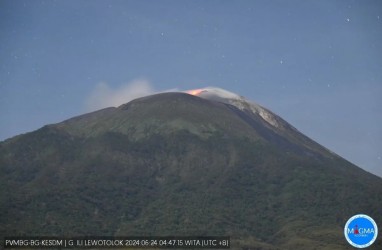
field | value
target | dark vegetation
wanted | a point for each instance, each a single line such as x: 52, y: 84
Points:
x: 187, y: 175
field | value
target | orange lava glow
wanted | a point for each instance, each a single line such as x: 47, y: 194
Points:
x: 194, y: 91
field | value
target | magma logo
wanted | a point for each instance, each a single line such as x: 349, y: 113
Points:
x: 361, y: 231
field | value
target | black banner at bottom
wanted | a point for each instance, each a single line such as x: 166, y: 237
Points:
x: 216, y: 242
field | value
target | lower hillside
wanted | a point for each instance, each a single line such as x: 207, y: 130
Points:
x: 53, y: 183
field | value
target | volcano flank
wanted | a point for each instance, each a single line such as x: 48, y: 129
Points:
x: 203, y: 163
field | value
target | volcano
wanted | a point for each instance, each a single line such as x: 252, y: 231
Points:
x: 205, y: 162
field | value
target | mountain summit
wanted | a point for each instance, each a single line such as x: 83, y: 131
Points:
x: 281, y: 129
x: 205, y: 162
x: 240, y: 102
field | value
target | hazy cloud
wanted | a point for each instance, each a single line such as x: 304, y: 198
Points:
x: 105, y: 96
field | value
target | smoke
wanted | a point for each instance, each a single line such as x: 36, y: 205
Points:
x: 222, y: 92
x: 104, y: 96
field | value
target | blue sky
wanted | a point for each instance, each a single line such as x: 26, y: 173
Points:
x: 315, y: 63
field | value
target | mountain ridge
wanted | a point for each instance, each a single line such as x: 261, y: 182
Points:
x: 178, y: 164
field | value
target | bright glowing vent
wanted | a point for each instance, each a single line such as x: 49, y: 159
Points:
x: 195, y: 91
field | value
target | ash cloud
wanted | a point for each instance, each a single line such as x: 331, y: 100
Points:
x: 104, y: 96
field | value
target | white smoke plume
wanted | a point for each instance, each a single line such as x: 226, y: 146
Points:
x: 221, y: 92
x: 104, y: 96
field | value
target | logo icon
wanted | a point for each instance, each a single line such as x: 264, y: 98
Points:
x: 361, y: 231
